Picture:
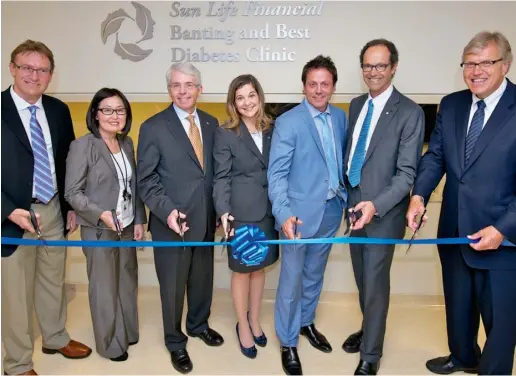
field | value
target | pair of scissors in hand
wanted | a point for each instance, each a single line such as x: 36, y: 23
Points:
x: 181, y: 233
x: 353, y: 218
x: 417, y: 229
x: 228, y: 234
x: 34, y: 222
x: 117, y: 224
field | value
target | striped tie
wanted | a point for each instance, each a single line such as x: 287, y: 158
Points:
x: 355, y: 170
x: 43, y: 184
x: 474, y: 130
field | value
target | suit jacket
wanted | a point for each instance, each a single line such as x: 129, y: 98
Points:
x: 170, y: 175
x: 92, y: 185
x: 298, y: 175
x: 483, y: 193
x: 18, y: 160
x: 390, y: 163
x: 240, y: 180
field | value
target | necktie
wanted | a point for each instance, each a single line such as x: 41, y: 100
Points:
x: 474, y: 130
x: 360, y: 150
x: 195, y: 138
x: 43, y: 184
x: 329, y: 152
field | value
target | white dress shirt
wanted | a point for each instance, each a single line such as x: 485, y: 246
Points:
x: 491, y: 102
x: 183, y: 116
x: 379, y: 103
x: 23, y: 110
x: 258, y: 140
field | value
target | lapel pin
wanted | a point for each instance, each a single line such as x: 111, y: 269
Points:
x: 387, y: 113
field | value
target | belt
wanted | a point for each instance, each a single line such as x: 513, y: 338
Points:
x: 38, y: 201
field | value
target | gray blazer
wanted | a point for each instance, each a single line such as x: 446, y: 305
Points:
x: 390, y: 163
x: 92, y: 186
x: 240, y: 174
x: 170, y: 175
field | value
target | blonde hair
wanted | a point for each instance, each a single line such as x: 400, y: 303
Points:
x: 263, y: 121
x: 481, y: 41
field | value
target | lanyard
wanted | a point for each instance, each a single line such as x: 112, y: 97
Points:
x: 125, y: 194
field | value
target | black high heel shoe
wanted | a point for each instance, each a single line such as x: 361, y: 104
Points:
x: 261, y: 340
x: 250, y: 352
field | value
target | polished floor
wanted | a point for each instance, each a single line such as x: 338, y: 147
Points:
x: 415, y: 333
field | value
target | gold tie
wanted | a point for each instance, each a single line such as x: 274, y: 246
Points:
x: 195, y: 139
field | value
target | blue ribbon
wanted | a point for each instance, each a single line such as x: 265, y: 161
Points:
x: 247, y: 246
x: 250, y: 243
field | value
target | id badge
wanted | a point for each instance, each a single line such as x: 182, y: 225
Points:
x: 126, y: 210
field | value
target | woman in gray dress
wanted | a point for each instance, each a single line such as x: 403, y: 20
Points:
x: 241, y: 156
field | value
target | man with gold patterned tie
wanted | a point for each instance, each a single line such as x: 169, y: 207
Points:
x: 175, y: 176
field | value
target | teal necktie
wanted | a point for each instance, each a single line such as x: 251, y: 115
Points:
x: 329, y: 152
x: 357, y: 162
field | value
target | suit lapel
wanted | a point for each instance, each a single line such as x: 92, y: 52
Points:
x: 105, y: 153
x: 250, y: 144
x: 12, y: 119
x: 207, y: 134
x: 390, y: 109
x: 498, y: 118
x: 128, y: 152
x: 307, y: 117
x: 266, y: 146
x: 53, y: 123
x: 175, y: 127
x: 353, y: 117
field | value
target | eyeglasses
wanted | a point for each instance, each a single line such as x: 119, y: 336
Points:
x: 25, y: 69
x: 189, y: 86
x: 110, y: 111
x: 378, y: 67
x: 483, y: 64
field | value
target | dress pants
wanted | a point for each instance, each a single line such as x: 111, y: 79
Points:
x: 301, y: 278
x: 371, y: 267
x: 112, y: 291
x: 33, y: 279
x: 187, y: 269
x: 470, y: 293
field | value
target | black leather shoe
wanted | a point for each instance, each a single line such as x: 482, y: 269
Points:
x: 316, y: 339
x: 352, y: 343
x: 210, y: 337
x: 181, y: 361
x: 366, y: 368
x: 121, y: 358
x: 445, y: 366
x: 290, y: 361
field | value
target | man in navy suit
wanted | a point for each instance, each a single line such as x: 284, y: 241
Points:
x: 474, y: 144
x: 306, y: 188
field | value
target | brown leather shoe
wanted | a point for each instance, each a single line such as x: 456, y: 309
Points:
x: 29, y: 372
x: 73, y: 350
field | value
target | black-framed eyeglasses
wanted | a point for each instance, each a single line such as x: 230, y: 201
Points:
x: 467, y: 65
x: 379, y: 67
x: 110, y: 111
x: 417, y: 229
x: 29, y: 70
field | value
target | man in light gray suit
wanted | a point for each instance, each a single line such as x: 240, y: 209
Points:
x: 175, y: 177
x: 385, y: 140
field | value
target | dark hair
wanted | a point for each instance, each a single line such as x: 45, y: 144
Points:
x: 320, y: 62
x: 393, y: 51
x: 91, y: 117
x: 30, y: 46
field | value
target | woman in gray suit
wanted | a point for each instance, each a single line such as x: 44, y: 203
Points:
x: 100, y: 177
x: 241, y: 156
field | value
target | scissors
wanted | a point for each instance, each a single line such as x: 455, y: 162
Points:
x: 34, y: 221
x: 415, y: 232
x: 226, y: 236
x: 117, y: 224
x: 354, y: 216
x: 181, y: 233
